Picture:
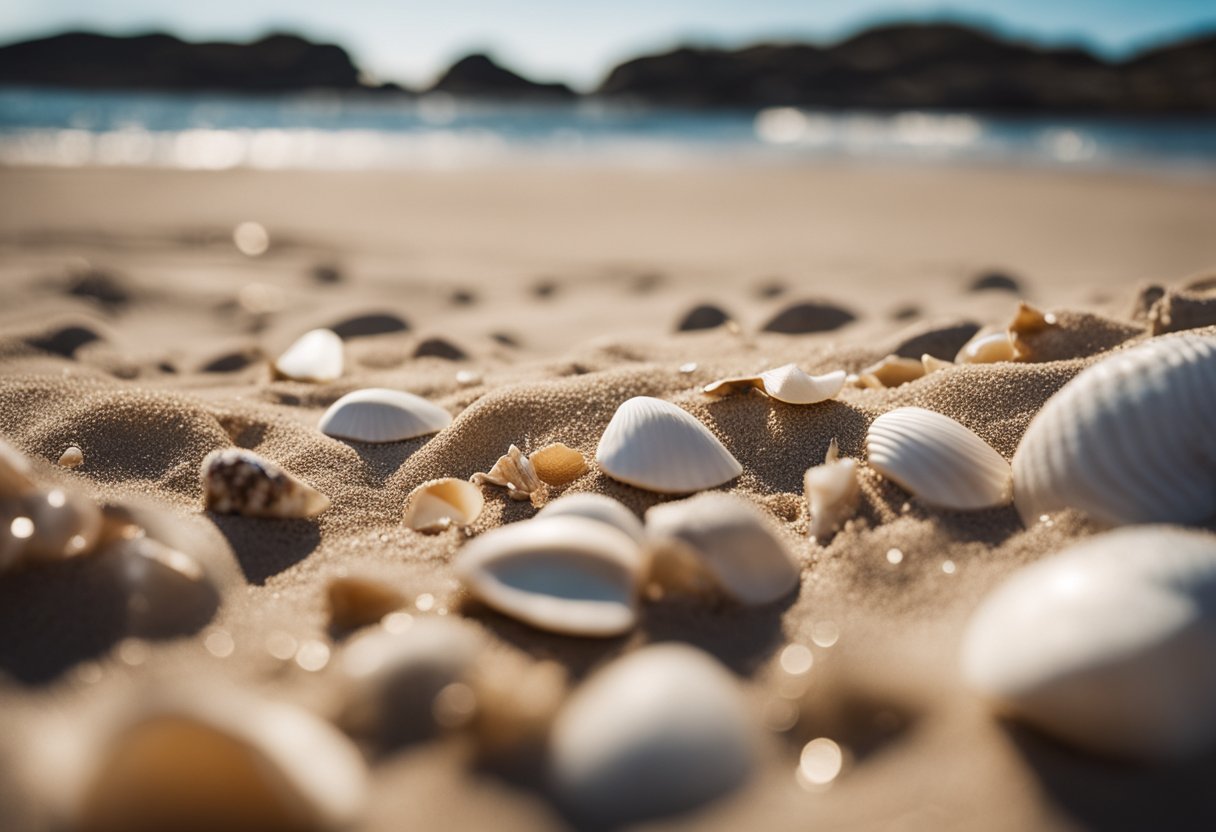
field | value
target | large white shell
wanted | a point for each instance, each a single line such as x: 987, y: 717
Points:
x: 564, y: 574
x: 940, y: 461
x: 315, y: 356
x: 1110, y: 645
x: 663, y: 729
x: 377, y: 414
x: 727, y: 539
x: 652, y: 444
x: 1129, y: 440
x: 596, y: 507
x: 237, y: 481
x: 787, y: 383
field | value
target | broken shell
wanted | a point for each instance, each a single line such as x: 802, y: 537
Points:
x: 54, y: 525
x: 1027, y: 321
x: 237, y: 481
x: 941, y: 462
x: 1129, y: 440
x: 652, y: 444
x: 832, y: 493
x: 15, y: 472
x: 167, y: 591
x: 726, y: 539
x: 787, y: 383
x: 377, y: 414
x: 315, y: 356
x: 223, y: 762
x: 513, y: 472
x: 932, y: 365
x: 987, y: 348
x: 892, y: 371
x: 596, y: 507
x: 440, y: 504
x: 663, y: 729
x: 557, y: 464
x: 1109, y: 645
x: 563, y: 574
x: 72, y: 457
x: 358, y: 602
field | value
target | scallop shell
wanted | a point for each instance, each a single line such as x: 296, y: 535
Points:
x: 1109, y: 645
x: 787, y: 383
x: 832, y: 493
x: 939, y: 461
x: 440, y: 504
x: 167, y: 591
x: 557, y: 464
x: 377, y: 414
x: 987, y: 348
x: 661, y: 730
x: 1129, y: 440
x: 596, y: 507
x: 725, y: 539
x: 892, y: 371
x: 357, y: 602
x: 72, y: 457
x: 513, y: 472
x: 315, y: 356
x: 652, y: 444
x: 564, y: 574
x: 237, y: 481
x: 16, y: 476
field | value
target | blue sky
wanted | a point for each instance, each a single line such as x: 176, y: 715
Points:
x: 578, y: 40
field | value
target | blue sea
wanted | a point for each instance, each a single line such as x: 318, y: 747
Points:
x: 350, y: 132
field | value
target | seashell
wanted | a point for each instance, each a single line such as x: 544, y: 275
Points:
x: 376, y: 414
x: 567, y: 575
x: 52, y: 525
x: 1190, y: 307
x: 438, y: 505
x: 938, y: 460
x: 194, y: 762
x: 987, y: 348
x: 516, y: 701
x: 832, y: 493
x: 72, y: 457
x: 932, y: 365
x: 16, y: 475
x: 652, y: 444
x: 722, y: 540
x: 787, y: 384
x: 315, y: 356
x: 1109, y: 645
x: 237, y: 481
x: 357, y: 602
x: 596, y: 507
x: 557, y: 464
x: 514, y: 472
x: 661, y: 730
x: 892, y: 371
x: 1129, y: 440
x: 167, y: 591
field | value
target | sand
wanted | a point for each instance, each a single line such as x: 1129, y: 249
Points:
x: 562, y: 289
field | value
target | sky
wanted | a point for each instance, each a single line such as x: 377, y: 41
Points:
x: 579, y: 40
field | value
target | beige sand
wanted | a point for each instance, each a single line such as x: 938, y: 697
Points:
x: 573, y: 283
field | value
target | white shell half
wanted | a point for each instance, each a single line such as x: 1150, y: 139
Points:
x: 1129, y: 440
x: 567, y: 575
x: 941, y: 462
x: 237, y: 481
x: 377, y: 414
x: 663, y: 729
x: 596, y: 507
x: 315, y: 356
x: 726, y: 538
x: 440, y: 504
x: 1109, y: 645
x: 987, y: 348
x: 787, y: 383
x: 652, y: 444
x: 832, y: 494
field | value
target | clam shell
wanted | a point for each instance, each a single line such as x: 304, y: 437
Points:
x: 440, y: 504
x: 51, y: 525
x: 787, y: 383
x: 315, y: 356
x: 832, y: 493
x: 16, y: 476
x: 596, y: 507
x: 987, y: 348
x: 557, y: 464
x: 167, y: 592
x: 237, y: 481
x: 566, y: 574
x: 891, y: 371
x: 1129, y: 440
x: 513, y: 472
x: 357, y: 602
x: 725, y: 538
x: 377, y: 414
x: 652, y: 444
x: 941, y: 462
x: 661, y: 730
x: 1109, y: 645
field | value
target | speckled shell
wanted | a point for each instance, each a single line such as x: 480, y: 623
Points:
x: 237, y: 481
x: 787, y: 383
x: 1109, y: 645
x: 652, y: 444
x: 941, y: 462
x: 315, y: 356
x: 377, y: 414
x: 1131, y: 439
x: 596, y: 507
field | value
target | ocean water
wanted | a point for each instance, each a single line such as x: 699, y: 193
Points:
x: 215, y: 132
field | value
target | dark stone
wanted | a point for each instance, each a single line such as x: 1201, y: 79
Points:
x: 705, y: 316
x: 545, y: 289
x: 771, y: 289
x: 65, y: 341
x: 327, y: 273
x: 808, y: 317
x: 906, y: 312
x: 439, y: 348
x: 376, y: 323
x: 229, y: 363
x: 942, y: 342
x: 996, y: 281
x: 505, y: 338
x: 100, y: 286
x: 463, y: 297
x: 478, y: 76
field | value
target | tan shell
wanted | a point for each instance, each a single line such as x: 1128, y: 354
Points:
x: 440, y: 504
x: 357, y: 602
x: 832, y: 494
x: 167, y: 592
x: 1027, y: 322
x: 932, y: 365
x: 237, y: 481
x: 516, y: 701
x: 892, y: 371
x: 514, y: 472
x: 48, y: 525
x: 558, y: 465
x: 787, y: 383
x: 377, y: 414
x: 16, y: 476
x: 72, y: 457
x: 987, y: 347
x: 315, y: 356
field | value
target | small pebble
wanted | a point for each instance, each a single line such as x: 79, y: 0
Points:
x: 73, y: 457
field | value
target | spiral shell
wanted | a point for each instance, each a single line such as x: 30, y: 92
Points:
x: 237, y: 481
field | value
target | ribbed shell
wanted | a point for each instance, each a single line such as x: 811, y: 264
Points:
x: 377, y: 414
x: 938, y: 460
x: 596, y: 507
x: 653, y: 444
x: 1131, y: 439
x: 315, y: 356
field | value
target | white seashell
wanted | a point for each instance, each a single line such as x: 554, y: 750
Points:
x: 1109, y: 645
x: 891, y: 371
x: 596, y: 507
x: 652, y: 444
x: 661, y: 730
x: 376, y: 414
x: 787, y: 383
x: 357, y: 602
x: 315, y: 356
x: 219, y: 760
x: 50, y: 525
x: 440, y: 504
x: 558, y: 464
x: 939, y: 461
x: 564, y: 574
x: 832, y: 493
x: 167, y: 591
x: 237, y: 481
x: 513, y: 472
x: 72, y: 457
x: 16, y: 476
x: 987, y: 348
x: 1129, y: 440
